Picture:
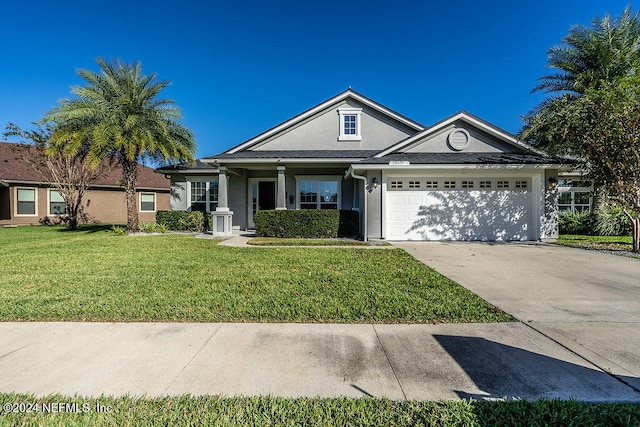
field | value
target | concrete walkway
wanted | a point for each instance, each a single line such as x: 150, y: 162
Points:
x: 587, y: 301
x: 427, y: 362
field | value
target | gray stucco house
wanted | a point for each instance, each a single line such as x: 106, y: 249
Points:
x: 459, y: 179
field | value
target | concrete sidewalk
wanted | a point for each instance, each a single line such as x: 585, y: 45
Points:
x: 426, y: 362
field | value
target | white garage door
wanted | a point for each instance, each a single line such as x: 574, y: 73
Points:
x: 455, y: 209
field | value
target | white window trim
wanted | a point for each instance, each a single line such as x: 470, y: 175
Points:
x: 317, y: 178
x: 209, y: 205
x: 35, y: 201
x: 49, y: 213
x: 350, y: 112
x: 155, y: 202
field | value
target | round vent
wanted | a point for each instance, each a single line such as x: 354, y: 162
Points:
x: 459, y: 139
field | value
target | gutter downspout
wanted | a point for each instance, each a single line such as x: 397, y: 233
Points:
x: 364, y: 210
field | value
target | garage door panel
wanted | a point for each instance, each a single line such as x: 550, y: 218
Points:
x: 460, y: 215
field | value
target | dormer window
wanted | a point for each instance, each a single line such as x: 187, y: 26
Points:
x: 350, y: 124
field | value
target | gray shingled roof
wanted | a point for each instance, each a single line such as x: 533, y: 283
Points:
x: 297, y: 154
x: 464, y: 158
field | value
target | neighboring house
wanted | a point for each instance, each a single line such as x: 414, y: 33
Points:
x: 459, y: 179
x: 26, y: 197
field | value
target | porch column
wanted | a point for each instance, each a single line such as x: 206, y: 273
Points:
x: 223, y: 201
x: 281, y: 201
x: 221, y: 218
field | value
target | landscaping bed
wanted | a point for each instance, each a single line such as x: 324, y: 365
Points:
x: 91, y: 275
x: 274, y: 411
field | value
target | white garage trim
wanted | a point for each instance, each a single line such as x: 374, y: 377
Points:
x: 483, y: 204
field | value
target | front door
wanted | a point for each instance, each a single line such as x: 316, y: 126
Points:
x: 266, y: 195
x: 262, y: 196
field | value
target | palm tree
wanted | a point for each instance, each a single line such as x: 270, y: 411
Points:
x: 589, y: 58
x: 119, y: 115
x: 593, y: 56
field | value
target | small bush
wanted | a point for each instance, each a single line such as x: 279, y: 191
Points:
x: 306, y: 223
x: 612, y: 222
x: 117, y: 230
x: 181, y: 220
x: 576, y: 222
x: 152, y: 227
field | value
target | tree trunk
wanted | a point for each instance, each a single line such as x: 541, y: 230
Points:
x: 130, y: 181
x: 635, y: 229
x: 636, y: 234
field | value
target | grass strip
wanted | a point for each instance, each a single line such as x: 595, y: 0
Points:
x: 186, y: 410
x: 274, y: 241
x: 612, y: 244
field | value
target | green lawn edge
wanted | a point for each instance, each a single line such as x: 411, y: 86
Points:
x: 188, y: 410
x: 612, y: 244
x: 275, y: 241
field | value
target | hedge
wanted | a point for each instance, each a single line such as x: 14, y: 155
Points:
x: 182, y: 220
x: 307, y: 223
x: 605, y: 222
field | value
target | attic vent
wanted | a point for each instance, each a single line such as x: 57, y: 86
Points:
x: 459, y: 139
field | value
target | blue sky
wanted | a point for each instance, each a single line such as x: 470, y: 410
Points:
x: 239, y: 68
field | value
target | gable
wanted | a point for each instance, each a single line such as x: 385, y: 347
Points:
x: 460, y: 136
x: 462, y: 132
x: 322, y: 131
x: 319, y: 128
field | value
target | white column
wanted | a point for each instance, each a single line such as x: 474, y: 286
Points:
x: 281, y: 198
x: 223, y: 200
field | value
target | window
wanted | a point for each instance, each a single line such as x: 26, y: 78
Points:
x: 319, y: 194
x: 396, y: 184
x: 56, y: 203
x: 204, y: 195
x: 467, y: 184
x: 308, y: 195
x: 328, y: 195
x: 350, y: 124
x: 147, y: 202
x: 26, y: 198
x: 414, y: 184
x: 350, y: 128
x: 484, y: 184
x: 574, y: 201
x: 449, y: 184
x: 521, y: 184
x: 503, y: 184
x: 431, y: 184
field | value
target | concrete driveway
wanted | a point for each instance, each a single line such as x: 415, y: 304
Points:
x: 587, y: 301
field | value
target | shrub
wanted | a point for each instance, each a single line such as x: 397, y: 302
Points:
x: 118, y: 230
x: 306, y: 223
x: 612, y: 222
x: 181, y: 220
x: 576, y: 222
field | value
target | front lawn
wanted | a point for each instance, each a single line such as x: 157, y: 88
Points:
x: 52, y: 274
x: 57, y: 410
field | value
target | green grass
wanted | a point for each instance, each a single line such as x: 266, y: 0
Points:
x: 274, y: 241
x: 273, y: 411
x: 50, y: 274
x: 609, y: 243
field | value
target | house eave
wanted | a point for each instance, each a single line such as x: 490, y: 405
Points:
x: 383, y: 166
x: 282, y: 160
